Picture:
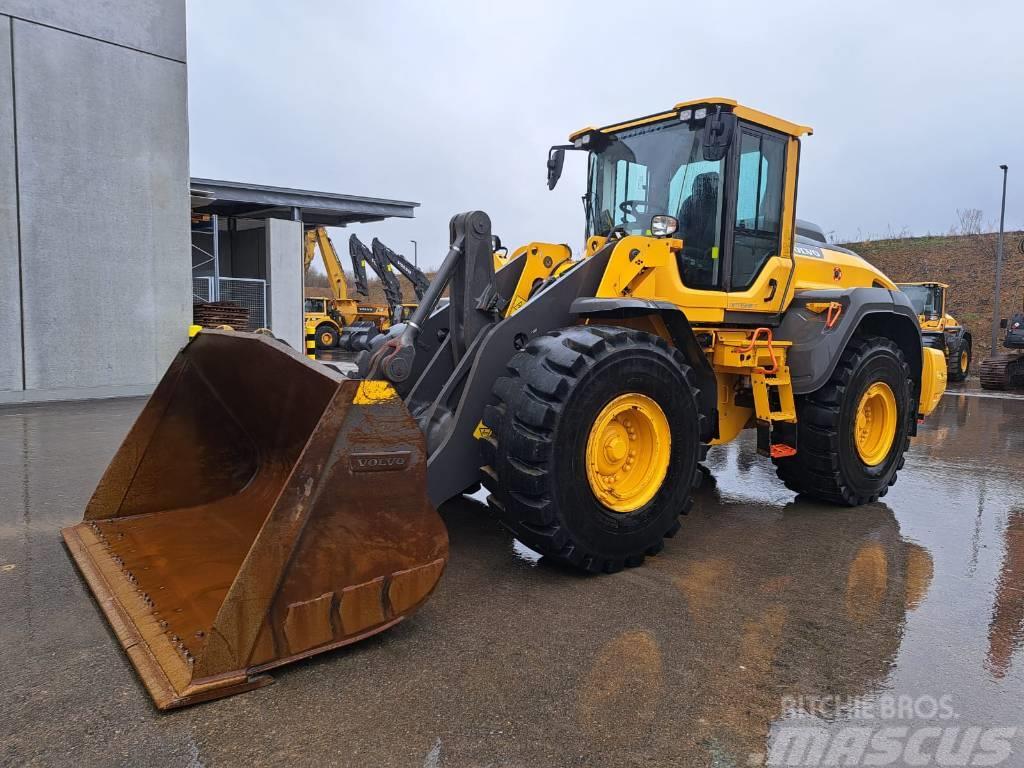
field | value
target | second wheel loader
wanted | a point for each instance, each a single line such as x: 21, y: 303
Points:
x: 939, y: 329
x: 264, y: 508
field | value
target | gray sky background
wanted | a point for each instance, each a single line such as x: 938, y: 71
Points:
x: 454, y: 104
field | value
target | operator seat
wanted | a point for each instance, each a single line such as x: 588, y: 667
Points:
x: 698, y: 225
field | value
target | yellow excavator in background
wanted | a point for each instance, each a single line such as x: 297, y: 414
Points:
x: 939, y: 329
x: 340, y: 315
x: 265, y: 508
x: 328, y: 315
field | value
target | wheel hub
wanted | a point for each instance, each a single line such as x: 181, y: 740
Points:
x: 628, y: 452
x: 875, y: 424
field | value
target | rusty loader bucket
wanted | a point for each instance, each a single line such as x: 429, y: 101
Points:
x: 262, y: 509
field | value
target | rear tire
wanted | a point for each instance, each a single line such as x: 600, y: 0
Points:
x: 828, y: 464
x: 542, y: 419
x: 959, y: 362
x: 326, y: 337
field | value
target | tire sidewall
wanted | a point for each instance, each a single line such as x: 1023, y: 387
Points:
x: 880, y: 364
x: 319, y: 334
x: 599, y: 529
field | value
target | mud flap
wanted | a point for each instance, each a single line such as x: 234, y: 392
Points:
x: 262, y: 509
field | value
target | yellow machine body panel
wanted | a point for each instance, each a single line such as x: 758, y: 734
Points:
x: 543, y: 261
x: 933, y: 379
x: 835, y: 269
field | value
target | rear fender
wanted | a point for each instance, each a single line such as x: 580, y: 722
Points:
x: 816, y: 348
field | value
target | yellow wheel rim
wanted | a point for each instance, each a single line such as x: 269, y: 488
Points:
x: 963, y: 361
x: 875, y: 426
x: 628, y: 452
x: 325, y: 338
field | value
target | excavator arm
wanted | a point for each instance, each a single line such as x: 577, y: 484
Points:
x: 381, y: 267
x: 410, y: 271
x: 318, y: 237
x: 360, y: 255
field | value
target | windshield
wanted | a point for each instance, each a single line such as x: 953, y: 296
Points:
x: 660, y: 169
x: 925, y: 298
x: 314, y: 305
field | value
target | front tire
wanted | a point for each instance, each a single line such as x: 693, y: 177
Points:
x: 594, y: 438
x: 852, y: 433
x: 960, y: 361
x: 326, y: 337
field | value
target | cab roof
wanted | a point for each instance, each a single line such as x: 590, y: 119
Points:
x: 928, y: 284
x: 744, y: 113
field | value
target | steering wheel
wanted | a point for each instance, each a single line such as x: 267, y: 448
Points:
x: 631, y: 208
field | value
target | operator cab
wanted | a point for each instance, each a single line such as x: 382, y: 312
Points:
x: 927, y: 298
x: 314, y: 305
x: 718, y: 176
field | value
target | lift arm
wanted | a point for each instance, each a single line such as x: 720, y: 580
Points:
x: 360, y: 256
x: 335, y: 274
x: 412, y: 273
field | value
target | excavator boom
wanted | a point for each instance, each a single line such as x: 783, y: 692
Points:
x: 382, y: 268
x: 360, y: 255
x: 410, y: 271
x: 318, y: 238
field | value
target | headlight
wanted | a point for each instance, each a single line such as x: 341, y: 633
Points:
x: 663, y: 226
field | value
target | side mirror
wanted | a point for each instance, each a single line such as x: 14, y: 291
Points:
x: 1003, y: 323
x: 718, y: 132
x: 556, y: 159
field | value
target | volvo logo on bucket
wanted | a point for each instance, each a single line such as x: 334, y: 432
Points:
x: 379, y: 462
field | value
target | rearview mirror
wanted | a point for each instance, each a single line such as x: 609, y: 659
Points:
x: 1003, y: 323
x: 718, y: 131
x: 556, y: 159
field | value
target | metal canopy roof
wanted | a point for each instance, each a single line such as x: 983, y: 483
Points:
x: 256, y: 201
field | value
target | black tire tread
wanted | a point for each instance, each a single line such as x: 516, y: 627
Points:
x: 814, y: 470
x: 526, y: 406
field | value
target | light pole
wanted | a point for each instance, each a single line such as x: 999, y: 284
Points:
x: 415, y: 256
x: 999, y: 268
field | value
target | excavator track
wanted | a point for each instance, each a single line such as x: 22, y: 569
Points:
x: 1003, y: 371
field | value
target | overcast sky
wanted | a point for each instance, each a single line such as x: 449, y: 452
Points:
x: 453, y: 105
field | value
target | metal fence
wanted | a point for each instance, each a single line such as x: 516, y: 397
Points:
x: 202, y: 290
x: 249, y: 293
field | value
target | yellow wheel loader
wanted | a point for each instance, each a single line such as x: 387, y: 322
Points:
x: 939, y: 329
x: 264, y: 508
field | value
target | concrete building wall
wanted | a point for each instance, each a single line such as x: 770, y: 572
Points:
x: 11, y: 369
x: 101, y: 140
x: 284, y: 275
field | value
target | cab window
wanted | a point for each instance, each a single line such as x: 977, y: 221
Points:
x: 759, y: 190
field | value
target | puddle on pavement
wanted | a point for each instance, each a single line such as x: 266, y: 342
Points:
x: 761, y: 609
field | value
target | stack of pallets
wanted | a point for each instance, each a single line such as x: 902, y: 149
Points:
x: 216, y: 313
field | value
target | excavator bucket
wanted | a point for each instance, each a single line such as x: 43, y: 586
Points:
x: 262, y: 509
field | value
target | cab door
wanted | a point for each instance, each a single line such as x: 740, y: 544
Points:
x: 759, y: 224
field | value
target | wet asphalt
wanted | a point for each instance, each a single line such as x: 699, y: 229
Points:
x: 693, y: 659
